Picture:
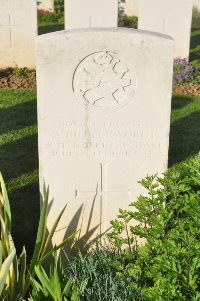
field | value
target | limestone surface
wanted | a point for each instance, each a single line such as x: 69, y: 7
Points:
x: 18, y: 31
x: 90, y: 13
x: 46, y: 5
x: 130, y: 7
x: 168, y: 17
x: 197, y: 4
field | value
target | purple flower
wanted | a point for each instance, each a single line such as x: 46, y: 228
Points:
x: 177, y: 60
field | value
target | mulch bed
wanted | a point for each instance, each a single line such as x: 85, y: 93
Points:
x: 192, y: 89
x: 9, y: 80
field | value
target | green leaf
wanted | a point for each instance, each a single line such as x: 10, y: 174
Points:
x: 1, y: 255
x: 68, y: 287
x: 5, y: 268
x: 14, y: 278
x: 45, y: 281
x: 74, y: 296
x: 49, y: 238
x: 6, y: 238
x: 6, y: 203
x: 65, y: 241
x: 39, y: 240
x: 22, y: 274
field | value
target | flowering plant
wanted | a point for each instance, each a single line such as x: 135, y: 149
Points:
x: 185, y: 72
x: 43, y: 11
x: 48, y: 17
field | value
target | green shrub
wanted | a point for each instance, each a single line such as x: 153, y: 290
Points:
x: 59, y: 6
x: 125, y: 21
x: 47, y: 17
x: 24, y: 72
x: 167, y: 267
x: 196, y: 19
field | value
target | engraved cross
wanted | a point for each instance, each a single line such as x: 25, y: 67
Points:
x: 164, y: 25
x: 101, y: 188
x: 103, y: 191
x: 10, y: 25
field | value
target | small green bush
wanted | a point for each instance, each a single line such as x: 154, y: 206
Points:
x: 125, y: 21
x: 47, y: 17
x: 23, y: 72
x: 59, y: 6
x: 196, y: 18
x: 167, y: 218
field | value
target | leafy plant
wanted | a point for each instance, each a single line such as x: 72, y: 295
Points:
x: 47, y: 17
x: 15, y: 274
x: 59, y: 6
x: 127, y: 21
x: 102, y: 283
x: 121, y: 8
x: 196, y: 18
x: 167, y: 219
x: 185, y: 72
x: 57, y: 286
x: 23, y: 72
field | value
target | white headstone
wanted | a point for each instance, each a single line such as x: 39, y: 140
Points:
x: 90, y: 13
x: 196, y: 4
x: 169, y: 17
x: 131, y: 7
x: 104, y: 99
x: 18, y: 31
x: 46, y: 5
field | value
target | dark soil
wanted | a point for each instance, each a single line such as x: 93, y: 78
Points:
x: 10, y: 80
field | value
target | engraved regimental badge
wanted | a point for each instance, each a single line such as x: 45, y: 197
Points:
x: 101, y: 80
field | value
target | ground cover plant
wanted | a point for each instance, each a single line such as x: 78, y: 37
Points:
x: 101, y: 279
x: 185, y: 72
x: 47, y: 17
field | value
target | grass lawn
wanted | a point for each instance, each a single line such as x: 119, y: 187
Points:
x: 45, y: 28
x: 195, y: 47
x: 19, y: 161
x: 19, y: 155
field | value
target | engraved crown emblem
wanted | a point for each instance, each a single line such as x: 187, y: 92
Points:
x: 102, y: 81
